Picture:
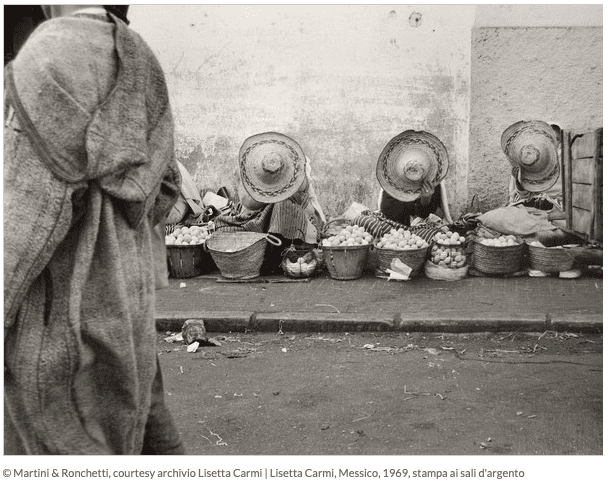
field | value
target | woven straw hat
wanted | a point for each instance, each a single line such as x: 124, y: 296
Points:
x: 272, y: 167
x: 532, y: 147
x: 407, y: 160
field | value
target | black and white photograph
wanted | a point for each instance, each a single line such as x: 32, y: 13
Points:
x: 322, y: 243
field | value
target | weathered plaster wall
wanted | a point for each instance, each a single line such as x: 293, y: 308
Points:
x: 524, y: 67
x: 340, y: 79
x: 344, y: 79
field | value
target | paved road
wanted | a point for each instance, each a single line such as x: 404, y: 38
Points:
x: 388, y: 394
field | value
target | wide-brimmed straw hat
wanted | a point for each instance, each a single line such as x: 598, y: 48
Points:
x: 407, y: 160
x: 272, y: 167
x: 532, y: 147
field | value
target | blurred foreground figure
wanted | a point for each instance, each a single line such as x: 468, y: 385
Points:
x: 89, y: 176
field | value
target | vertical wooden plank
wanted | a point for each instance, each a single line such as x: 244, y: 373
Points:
x: 597, y: 221
x: 582, y: 221
x: 566, y: 156
x: 583, y: 196
x: 562, y: 164
x: 583, y: 145
x: 583, y: 170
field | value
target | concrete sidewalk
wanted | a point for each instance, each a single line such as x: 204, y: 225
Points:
x: 322, y: 304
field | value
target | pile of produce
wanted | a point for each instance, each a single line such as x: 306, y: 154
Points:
x: 448, y: 238
x: 193, y: 235
x: 401, y: 239
x: 447, y: 250
x: 349, y: 236
x: 502, y: 241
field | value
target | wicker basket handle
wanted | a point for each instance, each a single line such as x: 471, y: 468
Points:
x: 274, y: 240
x: 325, y: 230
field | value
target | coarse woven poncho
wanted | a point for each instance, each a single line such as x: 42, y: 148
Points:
x: 89, y: 171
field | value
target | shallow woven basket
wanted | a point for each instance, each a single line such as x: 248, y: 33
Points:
x: 239, y: 255
x: 186, y: 261
x: 498, y: 260
x: 414, y: 258
x: 549, y: 259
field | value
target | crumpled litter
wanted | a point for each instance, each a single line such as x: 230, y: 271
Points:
x: 177, y: 337
x: 398, y: 271
x: 191, y: 348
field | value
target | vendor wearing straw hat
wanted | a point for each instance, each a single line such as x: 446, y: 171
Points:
x: 410, y: 169
x: 276, y: 192
x: 532, y: 148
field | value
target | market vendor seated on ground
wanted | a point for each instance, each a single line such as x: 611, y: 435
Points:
x: 533, y: 149
x: 189, y: 203
x: 277, y: 196
x: 410, y: 170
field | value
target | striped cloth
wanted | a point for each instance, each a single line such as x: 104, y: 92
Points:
x: 377, y: 225
x: 293, y: 219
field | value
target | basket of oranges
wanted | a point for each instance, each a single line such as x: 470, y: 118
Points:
x: 186, y: 253
x: 401, y: 244
x: 500, y: 255
x: 447, y: 260
x: 345, y: 252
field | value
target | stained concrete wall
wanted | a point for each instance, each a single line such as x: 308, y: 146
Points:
x: 540, y: 62
x: 341, y: 79
x: 344, y: 79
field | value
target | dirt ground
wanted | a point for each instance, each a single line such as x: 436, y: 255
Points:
x: 388, y: 394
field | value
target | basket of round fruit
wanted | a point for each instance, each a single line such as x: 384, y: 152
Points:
x: 447, y: 260
x: 401, y: 244
x: 299, y: 260
x: 186, y: 254
x: 499, y: 255
x: 345, y: 253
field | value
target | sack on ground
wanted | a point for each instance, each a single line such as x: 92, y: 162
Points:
x: 512, y: 220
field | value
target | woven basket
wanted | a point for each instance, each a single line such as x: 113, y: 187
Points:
x: 186, y: 261
x: 414, y: 258
x: 334, y: 226
x: 498, y: 260
x: 239, y: 255
x: 345, y: 262
x: 452, y: 251
x: 549, y: 259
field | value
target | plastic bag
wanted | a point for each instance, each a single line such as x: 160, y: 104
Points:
x: 439, y: 273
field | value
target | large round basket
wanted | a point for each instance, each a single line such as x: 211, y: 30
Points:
x: 549, y: 259
x: 498, y: 260
x: 414, y: 258
x: 185, y: 261
x: 239, y: 255
x: 345, y: 262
